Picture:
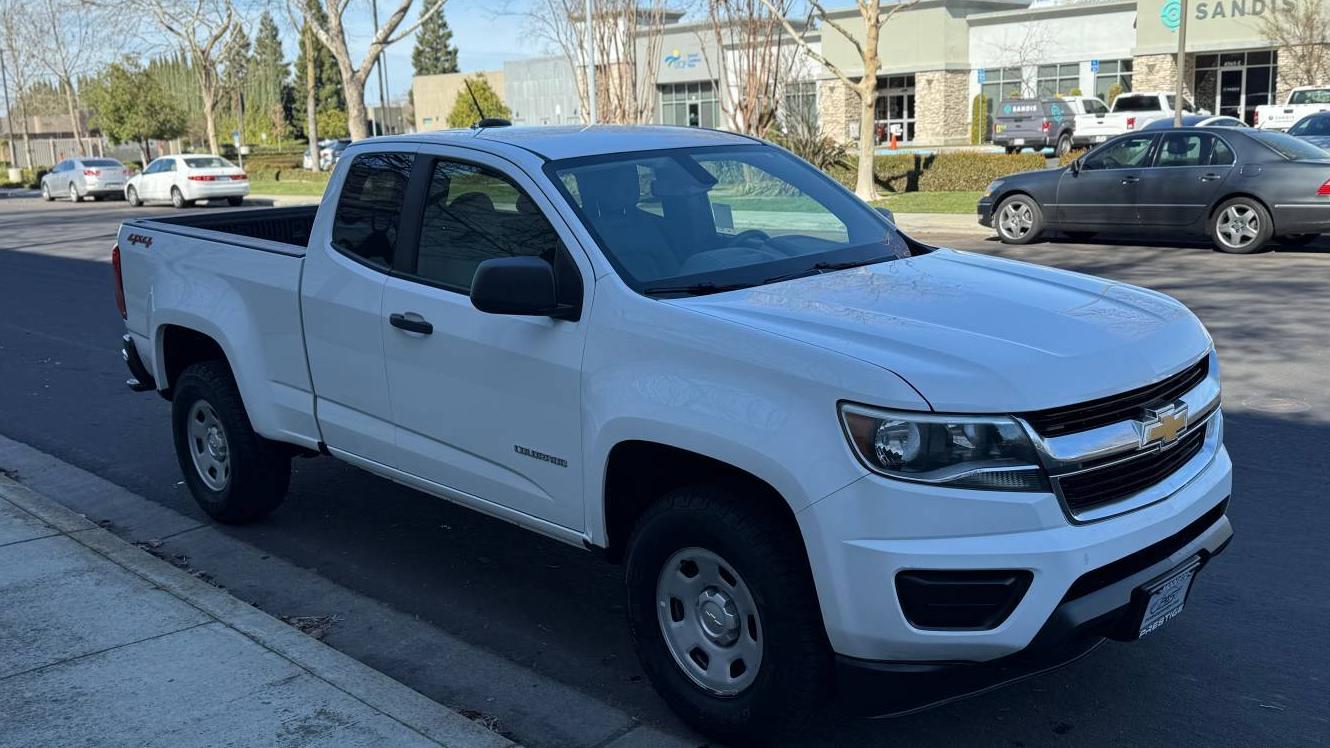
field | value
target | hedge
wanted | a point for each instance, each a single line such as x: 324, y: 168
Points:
x: 941, y: 172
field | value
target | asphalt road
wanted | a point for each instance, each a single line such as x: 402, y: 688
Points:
x: 1246, y: 664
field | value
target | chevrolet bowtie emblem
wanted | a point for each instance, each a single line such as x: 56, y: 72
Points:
x: 1163, y: 425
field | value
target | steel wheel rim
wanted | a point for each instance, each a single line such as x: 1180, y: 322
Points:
x: 1015, y: 220
x: 46, y: 190
x: 1238, y: 226
x: 132, y: 195
x: 177, y: 198
x: 208, y: 446
x: 73, y: 192
x: 709, y: 621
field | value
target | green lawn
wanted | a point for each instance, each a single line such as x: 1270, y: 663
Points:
x: 287, y: 187
x: 931, y: 202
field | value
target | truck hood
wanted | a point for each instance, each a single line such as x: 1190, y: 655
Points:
x: 979, y: 334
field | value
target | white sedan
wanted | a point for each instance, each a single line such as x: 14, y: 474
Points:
x: 183, y: 179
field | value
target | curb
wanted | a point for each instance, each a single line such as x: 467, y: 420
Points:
x: 361, y: 682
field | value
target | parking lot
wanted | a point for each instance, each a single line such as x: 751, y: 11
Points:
x: 424, y: 594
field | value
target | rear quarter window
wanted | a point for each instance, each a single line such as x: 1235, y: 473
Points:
x: 366, y: 223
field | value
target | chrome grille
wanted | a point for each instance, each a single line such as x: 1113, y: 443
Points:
x: 1095, y: 486
x: 1126, y: 406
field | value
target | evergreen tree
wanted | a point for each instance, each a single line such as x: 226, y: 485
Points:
x: 465, y: 113
x: 434, y: 53
x: 267, y: 69
x: 235, y: 67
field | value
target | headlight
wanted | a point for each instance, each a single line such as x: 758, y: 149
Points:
x: 992, y: 187
x: 984, y: 452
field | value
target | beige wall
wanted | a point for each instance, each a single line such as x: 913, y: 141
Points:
x: 435, y: 95
x: 927, y: 37
x: 1211, y: 24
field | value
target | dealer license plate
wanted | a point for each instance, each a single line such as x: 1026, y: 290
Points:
x: 1018, y: 141
x: 1167, y: 597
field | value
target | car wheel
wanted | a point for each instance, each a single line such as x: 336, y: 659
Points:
x: 1019, y: 220
x: 234, y: 474
x: 74, y: 196
x: 1298, y: 240
x: 1012, y: 149
x: 178, y: 199
x: 46, y: 192
x: 1063, y: 146
x: 132, y: 197
x: 1240, y: 226
x: 235, y: 202
x: 724, y: 616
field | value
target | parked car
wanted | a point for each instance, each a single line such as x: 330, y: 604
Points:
x: 1034, y: 123
x: 760, y: 415
x: 1090, y: 128
x: 1241, y: 187
x: 329, y: 154
x: 1197, y: 120
x: 305, y: 162
x: 184, y: 179
x: 1133, y: 111
x: 81, y: 177
x: 1302, y: 101
x: 1314, y: 128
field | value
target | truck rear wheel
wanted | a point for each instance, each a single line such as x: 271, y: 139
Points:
x: 724, y: 615
x: 234, y: 474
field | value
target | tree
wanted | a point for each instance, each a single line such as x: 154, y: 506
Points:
x: 200, y: 27
x: 1023, y: 47
x: 130, y: 106
x: 19, y: 67
x: 315, y: 63
x: 434, y: 53
x: 331, y: 123
x: 753, y: 68
x: 67, y: 36
x: 331, y: 32
x: 865, y: 88
x: 235, y: 71
x: 1300, y: 30
x: 465, y: 113
x: 267, y: 68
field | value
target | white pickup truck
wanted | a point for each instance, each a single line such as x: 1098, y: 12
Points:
x: 1133, y: 111
x: 835, y: 462
x: 1302, y: 101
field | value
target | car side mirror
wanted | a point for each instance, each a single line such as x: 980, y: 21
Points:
x: 518, y: 286
x: 887, y: 214
x: 1075, y: 166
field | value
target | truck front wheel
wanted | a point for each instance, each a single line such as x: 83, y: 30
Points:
x: 234, y: 474
x: 724, y: 615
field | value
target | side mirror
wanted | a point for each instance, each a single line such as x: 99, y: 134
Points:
x: 887, y: 214
x: 1075, y: 166
x: 519, y: 286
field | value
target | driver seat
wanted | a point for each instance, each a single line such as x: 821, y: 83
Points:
x: 610, y: 195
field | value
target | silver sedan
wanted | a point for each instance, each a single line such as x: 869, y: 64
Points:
x: 80, y: 177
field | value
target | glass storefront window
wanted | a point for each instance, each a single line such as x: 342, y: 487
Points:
x: 689, y: 104
x: 1235, y: 83
x: 894, y: 108
x: 1110, y: 72
x: 999, y: 84
x: 1058, y: 80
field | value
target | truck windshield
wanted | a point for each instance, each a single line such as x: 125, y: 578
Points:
x: 694, y: 221
x: 1310, y: 96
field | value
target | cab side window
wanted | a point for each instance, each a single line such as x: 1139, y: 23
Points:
x: 473, y: 214
x: 365, y: 225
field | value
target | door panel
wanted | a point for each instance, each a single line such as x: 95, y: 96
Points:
x: 1105, y: 190
x: 1188, y: 173
x: 488, y: 405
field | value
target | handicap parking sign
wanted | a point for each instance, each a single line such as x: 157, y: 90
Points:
x: 1094, y: 66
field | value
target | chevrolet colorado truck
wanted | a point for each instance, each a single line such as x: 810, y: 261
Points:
x: 835, y: 462
x: 1302, y: 101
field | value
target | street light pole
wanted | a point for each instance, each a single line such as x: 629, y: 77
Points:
x: 382, y: 63
x: 1182, y: 66
x: 591, y: 68
x: 9, y: 112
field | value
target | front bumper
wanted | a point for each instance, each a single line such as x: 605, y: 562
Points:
x: 861, y: 537
x: 985, y: 211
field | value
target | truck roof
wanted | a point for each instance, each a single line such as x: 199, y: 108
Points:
x: 573, y: 141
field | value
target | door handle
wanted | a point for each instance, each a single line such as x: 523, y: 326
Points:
x: 1130, y: 180
x: 1210, y: 177
x: 410, y: 324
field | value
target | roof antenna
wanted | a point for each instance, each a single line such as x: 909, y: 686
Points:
x: 484, y: 121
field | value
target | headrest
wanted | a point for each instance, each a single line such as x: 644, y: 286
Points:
x: 472, y: 202
x: 526, y: 206
x: 1180, y: 146
x: 612, y: 188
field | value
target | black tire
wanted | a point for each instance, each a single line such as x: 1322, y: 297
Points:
x: 1298, y: 240
x: 74, y: 196
x: 1063, y: 146
x: 1013, y: 149
x: 259, y: 470
x: 795, y: 674
x: 235, y: 202
x: 132, y: 197
x: 1233, y: 213
x: 46, y: 192
x: 1028, y: 227
x: 178, y: 199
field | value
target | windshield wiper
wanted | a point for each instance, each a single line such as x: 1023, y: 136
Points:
x: 827, y: 267
x: 695, y: 289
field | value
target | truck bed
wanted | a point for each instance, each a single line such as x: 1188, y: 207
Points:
x: 284, y: 230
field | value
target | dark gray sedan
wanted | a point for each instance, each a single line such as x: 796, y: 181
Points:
x: 1239, y: 187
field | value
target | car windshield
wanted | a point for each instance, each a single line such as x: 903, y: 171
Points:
x: 208, y: 162
x: 104, y: 162
x: 701, y: 220
x: 1312, y: 96
x: 1315, y: 125
x: 1291, y: 148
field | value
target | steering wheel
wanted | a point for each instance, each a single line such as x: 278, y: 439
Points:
x: 749, y: 235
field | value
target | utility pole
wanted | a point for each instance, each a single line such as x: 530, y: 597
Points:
x: 9, y: 113
x: 1182, y: 66
x: 383, y: 65
x: 591, y: 67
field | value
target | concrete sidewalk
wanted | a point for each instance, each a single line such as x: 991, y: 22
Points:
x: 942, y: 223
x: 103, y: 644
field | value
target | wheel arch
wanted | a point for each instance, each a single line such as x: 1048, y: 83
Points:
x: 181, y: 346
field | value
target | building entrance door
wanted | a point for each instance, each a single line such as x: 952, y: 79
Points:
x: 1230, y: 92
x: 1235, y: 83
x: 894, y: 108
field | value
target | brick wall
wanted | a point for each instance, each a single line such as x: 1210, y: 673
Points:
x: 942, y: 107
x: 838, y: 110
x: 1159, y: 73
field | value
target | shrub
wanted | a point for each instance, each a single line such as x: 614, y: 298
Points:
x: 1070, y: 156
x: 978, y: 119
x: 1113, y: 92
x: 941, y: 172
x: 805, y: 138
